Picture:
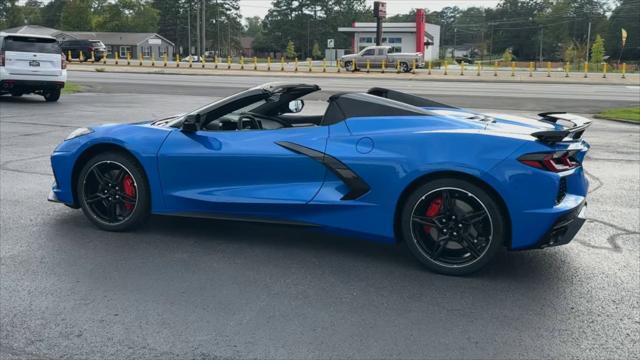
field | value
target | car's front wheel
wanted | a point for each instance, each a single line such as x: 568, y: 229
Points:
x: 452, y: 226
x: 113, y: 192
x: 349, y: 66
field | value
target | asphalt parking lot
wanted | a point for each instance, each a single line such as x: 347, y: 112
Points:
x: 186, y: 288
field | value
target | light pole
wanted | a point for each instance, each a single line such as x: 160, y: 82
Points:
x: 204, y: 27
x: 541, y: 37
x: 189, y: 28
x: 588, y: 39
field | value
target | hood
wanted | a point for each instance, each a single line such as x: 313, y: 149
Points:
x: 350, y: 56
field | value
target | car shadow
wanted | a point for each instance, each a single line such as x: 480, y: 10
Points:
x: 24, y: 99
x: 283, y: 241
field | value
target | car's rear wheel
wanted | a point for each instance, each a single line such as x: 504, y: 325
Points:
x: 405, y: 67
x: 113, y: 192
x: 51, y: 95
x: 452, y: 226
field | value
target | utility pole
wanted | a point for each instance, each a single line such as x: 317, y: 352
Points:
x: 204, y: 27
x: 197, y: 27
x: 218, y: 28
x: 491, y: 43
x: 588, y: 39
x: 541, y: 36
x: 189, y: 28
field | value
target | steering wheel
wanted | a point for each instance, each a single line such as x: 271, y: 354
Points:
x: 255, y: 125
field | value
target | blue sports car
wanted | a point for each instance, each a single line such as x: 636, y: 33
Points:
x: 452, y: 184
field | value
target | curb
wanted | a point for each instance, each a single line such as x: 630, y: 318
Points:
x: 363, y: 75
x: 617, y: 120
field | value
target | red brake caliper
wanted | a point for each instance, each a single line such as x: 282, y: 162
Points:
x: 432, y: 210
x: 129, y: 189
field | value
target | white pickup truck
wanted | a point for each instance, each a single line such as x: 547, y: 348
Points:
x: 379, y: 56
x: 31, y: 64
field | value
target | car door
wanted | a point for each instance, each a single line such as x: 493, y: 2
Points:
x: 247, y: 172
x: 367, y: 55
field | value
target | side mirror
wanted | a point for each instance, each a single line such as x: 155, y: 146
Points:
x: 296, y: 106
x: 191, y: 123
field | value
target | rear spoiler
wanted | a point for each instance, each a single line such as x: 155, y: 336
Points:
x: 578, y: 125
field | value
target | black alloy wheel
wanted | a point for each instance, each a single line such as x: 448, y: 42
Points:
x: 113, y: 192
x: 453, y: 226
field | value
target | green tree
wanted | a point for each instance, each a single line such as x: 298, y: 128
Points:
x: 31, y: 11
x: 291, y: 50
x: 77, y: 15
x: 10, y: 14
x: 316, y: 53
x: 127, y: 16
x: 507, y: 56
x: 624, y: 16
x: 597, y: 50
x: 253, y: 26
x: 51, y: 14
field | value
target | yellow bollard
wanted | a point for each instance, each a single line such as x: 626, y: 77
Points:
x: 530, y: 68
x: 295, y: 68
x: 446, y: 65
x: 203, y: 61
x: 117, y: 57
x: 93, y: 56
x: 413, y: 69
x: 324, y: 65
x: 604, y: 70
x: 104, y: 58
x: 384, y: 65
x: 478, y: 69
x: 495, y: 68
x: 430, y: 65
x: 153, y: 59
x: 548, y: 68
x: 177, y: 60
x: 69, y: 56
x: 624, y: 70
x: 190, y: 61
x: 282, y: 63
x: 586, y: 69
x: 215, y: 62
x: 165, y: 59
x: 513, y: 68
x: 128, y: 57
x: 241, y: 62
x: 228, y: 62
x: 255, y: 63
x: 397, y: 66
x: 566, y: 70
x: 339, y: 64
x: 310, y: 65
x: 368, y: 66
x: 461, y: 68
x: 81, y: 56
x: 140, y: 57
x: 268, y: 63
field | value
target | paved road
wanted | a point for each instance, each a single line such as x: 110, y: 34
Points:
x: 488, y: 95
x: 182, y: 288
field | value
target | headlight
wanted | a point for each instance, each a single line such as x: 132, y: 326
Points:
x: 79, y: 132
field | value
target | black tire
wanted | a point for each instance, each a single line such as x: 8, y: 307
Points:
x: 348, y: 65
x: 133, y: 214
x: 462, y: 254
x: 51, y: 95
x: 405, y: 67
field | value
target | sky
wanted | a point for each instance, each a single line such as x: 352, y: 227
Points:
x: 250, y: 8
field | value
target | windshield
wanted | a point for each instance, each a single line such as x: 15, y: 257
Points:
x: 31, y: 44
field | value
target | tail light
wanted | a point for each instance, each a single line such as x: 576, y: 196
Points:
x: 63, y: 63
x: 1, y: 58
x: 555, y: 162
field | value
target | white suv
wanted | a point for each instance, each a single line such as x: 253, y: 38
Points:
x: 31, y: 64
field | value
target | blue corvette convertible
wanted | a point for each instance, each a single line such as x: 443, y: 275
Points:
x: 452, y: 184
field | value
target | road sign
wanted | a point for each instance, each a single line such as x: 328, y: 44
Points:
x: 380, y: 9
x: 331, y: 43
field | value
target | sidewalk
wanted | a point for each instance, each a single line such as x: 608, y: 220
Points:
x: 453, y: 73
